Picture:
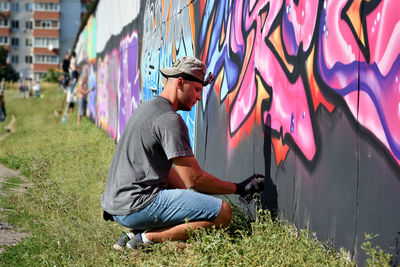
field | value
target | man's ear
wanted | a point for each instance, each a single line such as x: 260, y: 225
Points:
x: 179, y: 83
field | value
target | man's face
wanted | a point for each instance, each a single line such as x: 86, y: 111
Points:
x: 189, y: 93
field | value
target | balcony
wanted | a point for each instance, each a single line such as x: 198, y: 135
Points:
x: 5, y: 14
x: 46, y: 32
x: 46, y: 15
x: 45, y: 51
x: 47, y: 1
x: 43, y: 67
x: 4, y: 31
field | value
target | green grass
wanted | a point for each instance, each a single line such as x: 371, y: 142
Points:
x: 10, y: 184
x: 67, y: 166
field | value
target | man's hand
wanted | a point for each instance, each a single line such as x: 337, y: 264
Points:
x: 250, y: 186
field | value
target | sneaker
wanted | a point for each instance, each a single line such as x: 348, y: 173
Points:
x: 121, y: 242
x: 135, y: 242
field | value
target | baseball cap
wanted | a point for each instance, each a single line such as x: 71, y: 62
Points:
x: 189, y: 68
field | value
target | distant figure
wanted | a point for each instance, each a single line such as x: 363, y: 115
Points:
x: 3, y: 86
x: 36, y: 88
x: 30, y: 93
x: 61, y: 84
x: 71, y: 97
x: 74, y: 67
x: 21, y: 87
x: 65, y: 69
x: 82, y: 92
x: 2, y: 107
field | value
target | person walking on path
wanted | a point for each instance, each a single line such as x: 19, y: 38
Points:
x: 143, y: 191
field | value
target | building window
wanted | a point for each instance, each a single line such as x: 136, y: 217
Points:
x: 47, y: 6
x: 46, y: 24
x: 14, y: 42
x: 46, y: 59
x: 28, y: 24
x: 4, y: 23
x: 14, y: 25
x: 15, y: 7
x: 28, y: 41
x: 46, y: 42
x: 28, y: 59
x: 4, y: 40
x: 14, y: 59
x: 28, y: 7
x: 4, y: 6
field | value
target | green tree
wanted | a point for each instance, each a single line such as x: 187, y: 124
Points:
x: 51, y: 76
x: 6, y: 70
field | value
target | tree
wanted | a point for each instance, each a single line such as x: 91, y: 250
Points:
x: 51, y: 76
x: 6, y: 70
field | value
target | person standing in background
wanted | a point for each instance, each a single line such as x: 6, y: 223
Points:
x: 82, y: 92
x: 2, y: 103
x: 74, y: 68
x: 65, y: 68
x: 3, y: 86
x: 36, y: 89
x: 21, y: 87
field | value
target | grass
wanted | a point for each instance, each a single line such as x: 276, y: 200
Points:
x: 67, y: 166
x: 11, y: 183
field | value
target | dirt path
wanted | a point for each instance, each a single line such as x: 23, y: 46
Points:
x: 9, y: 235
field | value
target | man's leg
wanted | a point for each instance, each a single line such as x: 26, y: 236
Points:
x: 164, y: 218
x: 180, y: 231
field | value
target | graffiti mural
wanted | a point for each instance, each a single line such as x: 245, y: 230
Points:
x: 309, y: 86
x: 372, y: 80
x: 92, y: 93
x: 290, y: 38
x: 129, y: 82
x: 107, y: 77
x: 165, y: 39
x: 91, y: 38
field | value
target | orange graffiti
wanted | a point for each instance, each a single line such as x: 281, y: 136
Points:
x: 316, y: 94
x: 280, y: 149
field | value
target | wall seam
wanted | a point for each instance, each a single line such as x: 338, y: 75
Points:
x: 358, y: 150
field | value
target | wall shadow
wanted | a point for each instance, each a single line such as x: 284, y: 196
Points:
x: 269, y: 196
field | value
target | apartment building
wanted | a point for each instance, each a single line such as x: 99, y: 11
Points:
x: 31, y: 31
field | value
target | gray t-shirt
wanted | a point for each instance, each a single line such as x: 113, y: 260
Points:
x: 154, y: 135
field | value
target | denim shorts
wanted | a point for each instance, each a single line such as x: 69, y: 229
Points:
x: 172, y: 207
x: 82, y: 102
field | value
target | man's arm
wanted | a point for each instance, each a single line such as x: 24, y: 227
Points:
x: 194, y: 177
x: 174, y: 180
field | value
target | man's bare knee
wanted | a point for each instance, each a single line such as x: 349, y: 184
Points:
x: 224, y: 216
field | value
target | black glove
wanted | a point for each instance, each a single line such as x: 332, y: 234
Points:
x: 250, y: 186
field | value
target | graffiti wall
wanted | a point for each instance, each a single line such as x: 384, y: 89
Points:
x: 306, y: 91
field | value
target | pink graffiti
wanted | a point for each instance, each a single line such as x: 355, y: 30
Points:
x: 363, y: 54
x: 102, y: 94
x: 292, y: 119
x: 107, y: 93
x: 353, y: 55
x: 129, y: 89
